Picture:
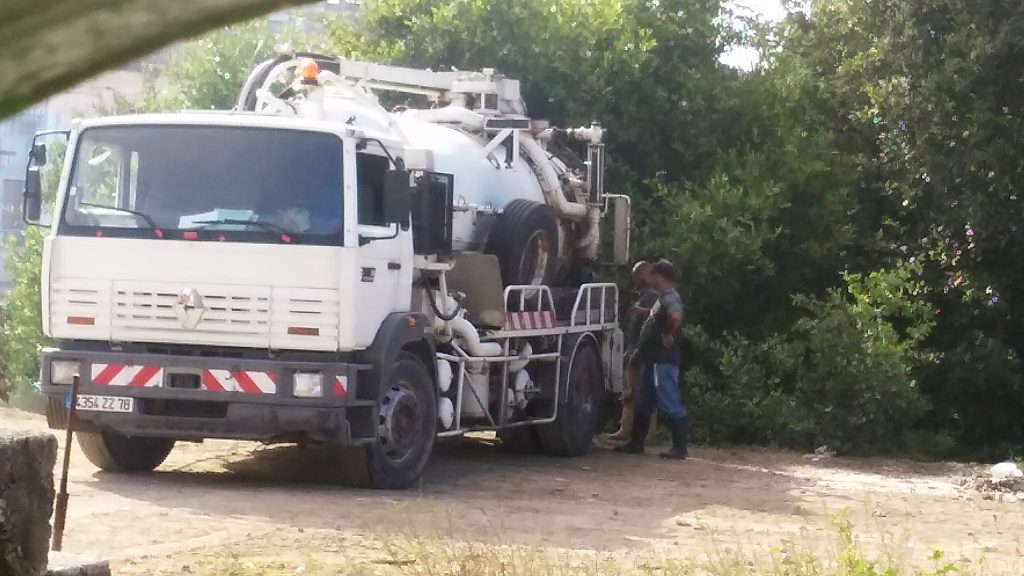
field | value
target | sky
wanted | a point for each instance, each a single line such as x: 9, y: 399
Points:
x: 771, y: 10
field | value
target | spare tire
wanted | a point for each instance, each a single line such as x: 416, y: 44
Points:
x: 525, y: 240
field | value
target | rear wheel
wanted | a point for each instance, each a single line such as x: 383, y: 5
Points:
x: 115, y: 452
x: 520, y: 440
x: 572, y: 433
x: 405, y: 431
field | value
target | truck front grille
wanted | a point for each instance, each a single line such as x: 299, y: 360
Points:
x: 236, y: 316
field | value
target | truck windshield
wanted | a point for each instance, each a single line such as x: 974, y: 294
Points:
x: 206, y: 183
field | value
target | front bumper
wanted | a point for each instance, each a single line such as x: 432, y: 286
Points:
x: 195, y: 397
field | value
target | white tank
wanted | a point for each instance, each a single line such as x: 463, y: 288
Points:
x: 552, y: 222
x: 482, y: 185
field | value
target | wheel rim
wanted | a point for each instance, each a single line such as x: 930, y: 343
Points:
x: 534, y: 262
x: 401, y: 422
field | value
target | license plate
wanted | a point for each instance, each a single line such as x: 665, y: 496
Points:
x: 94, y: 403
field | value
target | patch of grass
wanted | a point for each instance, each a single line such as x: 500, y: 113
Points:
x: 323, y: 555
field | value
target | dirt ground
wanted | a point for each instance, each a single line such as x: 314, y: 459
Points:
x: 226, y: 498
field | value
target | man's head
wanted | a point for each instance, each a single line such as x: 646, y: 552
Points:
x: 642, y: 274
x: 663, y: 275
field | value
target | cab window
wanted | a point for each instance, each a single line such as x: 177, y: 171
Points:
x: 370, y: 169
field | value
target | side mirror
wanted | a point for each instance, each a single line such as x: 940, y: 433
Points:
x: 32, y: 203
x: 39, y: 154
x: 397, y: 200
x: 39, y: 160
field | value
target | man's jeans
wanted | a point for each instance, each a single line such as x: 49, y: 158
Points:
x: 661, y: 390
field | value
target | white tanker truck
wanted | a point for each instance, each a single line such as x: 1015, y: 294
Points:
x: 312, y: 267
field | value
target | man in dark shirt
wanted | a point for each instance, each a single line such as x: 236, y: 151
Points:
x: 660, y: 349
x: 641, y: 308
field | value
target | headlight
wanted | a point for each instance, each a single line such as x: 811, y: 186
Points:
x: 63, y: 371
x: 308, y: 385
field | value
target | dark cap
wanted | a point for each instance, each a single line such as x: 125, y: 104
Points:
x: 665, y: 269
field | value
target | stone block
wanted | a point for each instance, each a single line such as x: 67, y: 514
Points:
x: 26, y: 501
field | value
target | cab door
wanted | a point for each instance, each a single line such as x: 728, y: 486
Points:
x: 384, y: 254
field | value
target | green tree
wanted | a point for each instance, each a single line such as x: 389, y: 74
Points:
x: 950, y: 98
x: 927, y: 93
x: 21, y: 323
x: 208, y: 73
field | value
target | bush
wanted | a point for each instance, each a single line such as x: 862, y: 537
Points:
x: 21, y: 325
x: 6, y: 386
x: 842, y: 375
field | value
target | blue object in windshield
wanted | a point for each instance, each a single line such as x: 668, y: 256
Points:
x: 204, y: 219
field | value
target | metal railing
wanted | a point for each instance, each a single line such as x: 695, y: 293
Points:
x: 595, y: 308
x: 462, y: 358
x: 527, y: 295
x: 607, y: 293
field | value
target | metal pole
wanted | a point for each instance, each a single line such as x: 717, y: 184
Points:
x: 60, y: 511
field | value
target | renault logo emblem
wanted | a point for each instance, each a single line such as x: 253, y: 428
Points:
x: 189, y: 308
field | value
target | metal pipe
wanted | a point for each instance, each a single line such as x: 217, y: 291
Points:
x: 591, y: 241
x: 458, y: 394
x: 524, y: 353
x: 549, y: 182
x: 503, y: 400
x: 60, y: 510
x: 477, y: 350
x: 498, y: 359
x: 443, y: 283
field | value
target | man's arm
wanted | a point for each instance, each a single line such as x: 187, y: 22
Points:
x: 672, y: 323
x: 644, y: 304
x: 637, y: 310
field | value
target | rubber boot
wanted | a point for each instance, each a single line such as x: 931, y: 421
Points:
x: 678, y: 450
x: 641, y: 425
x: 625, y: 424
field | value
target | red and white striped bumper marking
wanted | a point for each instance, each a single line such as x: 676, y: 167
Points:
x: 340, y: 386
x: 248, y: 382
x: 244, y: 381
x: 531, y: 320
x: 124, y: 375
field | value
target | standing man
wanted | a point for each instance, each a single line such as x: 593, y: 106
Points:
x: 660, y: 349
x: 646, y: 297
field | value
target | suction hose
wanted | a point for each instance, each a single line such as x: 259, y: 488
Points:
x: 467, y: 332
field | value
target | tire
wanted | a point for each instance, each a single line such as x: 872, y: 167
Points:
x: 115, y: 452
x: 406, y: 431
x: 520, y: 440
x: 572, y: 433
x: 525, y: 240
x: 56, y: 413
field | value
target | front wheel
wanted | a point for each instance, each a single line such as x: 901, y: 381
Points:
x: 405, y: 431
x: 115, y: 452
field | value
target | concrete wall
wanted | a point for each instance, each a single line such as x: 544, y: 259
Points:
x: 26, y: 501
